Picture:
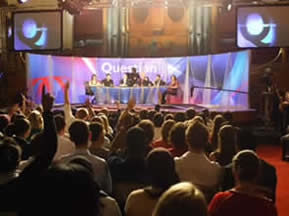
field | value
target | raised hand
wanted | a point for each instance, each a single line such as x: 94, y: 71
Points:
x: 47, y: 100
x: 87, y: 102
x: 131, y: 103
x: 67, y: 84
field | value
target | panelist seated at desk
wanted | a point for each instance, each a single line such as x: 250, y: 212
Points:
x: 158, y: 81
x: 134, y: 77
x: 107, y: 82
x: 125, y: 81
x: 93, y: 81
x: 172, y: 88
x: 145, y: 82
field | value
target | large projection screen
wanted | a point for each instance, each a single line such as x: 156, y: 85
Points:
x: 37, y: 30
x: 262, y: 26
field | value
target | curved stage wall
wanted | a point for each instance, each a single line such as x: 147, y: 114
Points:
x: 220, y: 79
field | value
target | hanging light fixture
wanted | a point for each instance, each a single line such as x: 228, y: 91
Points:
x: 22, y: 1
x: 74, y: 7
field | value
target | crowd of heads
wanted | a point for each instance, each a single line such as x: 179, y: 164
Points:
x: 130, y: 135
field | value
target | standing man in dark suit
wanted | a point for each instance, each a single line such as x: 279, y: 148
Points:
x: 134, y: 77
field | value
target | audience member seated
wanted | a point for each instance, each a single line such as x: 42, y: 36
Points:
x: 177, y: 139
x: 129, y: 173
x: 70, y: 189
x: 161, y: 170
x: 65, y: 146
x: 151, y: 114
x: 36, y: 122
x: 97, y: 141
x: 165, y: 131
x: 21, y: 133
x: 79, y: 135
x: 126, y: 121
x: 245, y: 198
x: 148, y: 128
x: 190, y: 114
x: 158, y: 121
x: 143, y: 114
x: 194, y: 166
x: 182, y: 199
x: 226, y: 147
x: 229, y: 117
x: 169, y: 116
x: 10, y: 155
x: 106, y: 143
x: 217, y: 123
x: 180, y: 117
x: 267, y: 177
x: 108, y: 130
x: 14, y: 194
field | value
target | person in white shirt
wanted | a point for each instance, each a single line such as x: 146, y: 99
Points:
x: 81, y: 113
x: 79, y: 135
x: 194, y: 166
x: 65, y: 146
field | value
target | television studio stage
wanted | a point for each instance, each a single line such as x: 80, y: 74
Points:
x: 214, y: 82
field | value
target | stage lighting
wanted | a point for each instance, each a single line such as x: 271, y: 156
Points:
x: 22, y: 1
x: 74, y: 7
x: 228, y: 4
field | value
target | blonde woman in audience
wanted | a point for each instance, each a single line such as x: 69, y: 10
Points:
x: 107, y: 128
x: 161, y: 170
x: 182, y: 199
x: 148, y: 128
x: 177, y: 139
x: 36, y: 123
x: 226, y: 146
x: 106, y: 143
x: 165, y: 131
x: 217, y: 123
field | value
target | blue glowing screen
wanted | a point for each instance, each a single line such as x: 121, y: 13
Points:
x: 37, y: 30
x: 262, y: 26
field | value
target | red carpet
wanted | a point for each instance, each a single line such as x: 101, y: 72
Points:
x: 272, y: 154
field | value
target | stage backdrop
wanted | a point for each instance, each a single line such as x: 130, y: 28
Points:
x: 220, y: 79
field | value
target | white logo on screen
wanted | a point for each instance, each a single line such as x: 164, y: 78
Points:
x: 108, y: 67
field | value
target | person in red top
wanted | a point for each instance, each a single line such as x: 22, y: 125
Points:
x: 172, y: 88
x: 246, y: 198
x: 165, y: 131
x: 177, y: 139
